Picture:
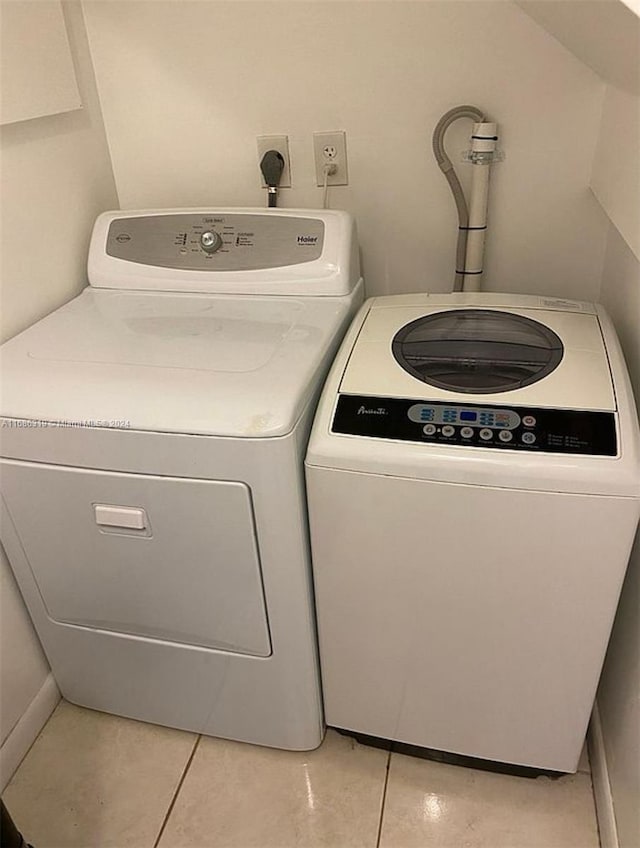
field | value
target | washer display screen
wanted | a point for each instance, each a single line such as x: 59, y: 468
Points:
x: 477, y: 350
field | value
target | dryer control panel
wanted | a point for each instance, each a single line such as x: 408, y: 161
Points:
x: 511, y: 428
x: 216, y: 242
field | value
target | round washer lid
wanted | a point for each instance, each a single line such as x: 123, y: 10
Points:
x: 477, y: 351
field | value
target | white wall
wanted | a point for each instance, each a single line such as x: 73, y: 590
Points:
x: 24, y: 667
x: 602, y: 33
x: 616, y: 183
x: 186, y: 88
x: 616, y: 170
x: 56, y: 178
x: 37, y: 76
x: 619, y: 692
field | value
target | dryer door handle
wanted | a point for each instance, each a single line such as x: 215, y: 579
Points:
x: 127, y: 517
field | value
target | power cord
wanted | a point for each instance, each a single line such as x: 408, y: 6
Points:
x: 272, y: 166
x: 328, y: 170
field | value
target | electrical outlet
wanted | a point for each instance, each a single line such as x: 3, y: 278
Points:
x: 330, y: 148
x: 281, y: 144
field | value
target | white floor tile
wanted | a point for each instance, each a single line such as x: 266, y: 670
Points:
x: 432, y: 805
x: 241, y: 796
x: 93, y: 780
x: 97, y: 781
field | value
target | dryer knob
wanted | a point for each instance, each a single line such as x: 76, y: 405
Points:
x: 210, y: 241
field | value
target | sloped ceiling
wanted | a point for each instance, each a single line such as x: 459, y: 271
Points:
x: 604, y: 34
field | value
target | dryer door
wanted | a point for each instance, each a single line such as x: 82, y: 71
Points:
x: 167, y: 558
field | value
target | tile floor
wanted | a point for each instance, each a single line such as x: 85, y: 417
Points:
x: 96, y: 781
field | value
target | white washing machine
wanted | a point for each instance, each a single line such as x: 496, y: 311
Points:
x: 154, y: 431
x: 473, y: 477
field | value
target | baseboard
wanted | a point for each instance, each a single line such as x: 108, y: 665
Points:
x: 601, y: 786
x: 24, y: 734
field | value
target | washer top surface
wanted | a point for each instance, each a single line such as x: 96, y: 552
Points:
x: 508, y: 350
x: 205, y: 364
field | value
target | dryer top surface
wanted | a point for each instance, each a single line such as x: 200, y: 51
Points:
x: 187, y: 363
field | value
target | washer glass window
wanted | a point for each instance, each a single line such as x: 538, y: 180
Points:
x: 477, y: 350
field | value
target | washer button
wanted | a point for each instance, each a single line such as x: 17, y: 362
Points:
x: 486, y: 434
x: 429, y: 429
x: 466, y: 432
x: 448, y: 430
x: 529, y: 421
x: 505, y: 435
x: 528, y: 438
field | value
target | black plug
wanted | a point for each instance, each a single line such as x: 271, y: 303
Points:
x: 272, y: 166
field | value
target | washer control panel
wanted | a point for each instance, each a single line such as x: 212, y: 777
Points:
x: 515, y: 428
x: 466, y: 416
x: 216, y: 242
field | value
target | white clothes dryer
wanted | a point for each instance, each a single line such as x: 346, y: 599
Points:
x: 473, y: 477
x: 154, y: 431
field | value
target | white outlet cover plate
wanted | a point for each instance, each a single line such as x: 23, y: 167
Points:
x: 337, y: 140
x: 281, y: 144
